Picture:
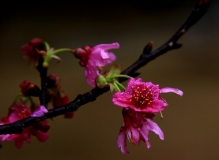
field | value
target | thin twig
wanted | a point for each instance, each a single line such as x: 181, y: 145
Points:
x: 43, y: 73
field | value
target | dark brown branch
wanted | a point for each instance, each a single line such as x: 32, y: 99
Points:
x: 147, y: 56
x: 43, y: 73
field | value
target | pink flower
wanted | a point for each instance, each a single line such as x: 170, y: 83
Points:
x: 20, y: 111
x: 95, y: 58
x: 5, y: 137
x: 136, y: 128
x: 143, y: 96
x: 32, y: 48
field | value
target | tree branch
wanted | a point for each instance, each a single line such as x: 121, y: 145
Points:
x: 43, y: 73
x: 147, y: 56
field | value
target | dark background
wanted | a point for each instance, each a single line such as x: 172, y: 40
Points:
x: 190, y: 123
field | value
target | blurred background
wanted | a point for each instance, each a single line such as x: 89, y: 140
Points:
x: 191, y: 122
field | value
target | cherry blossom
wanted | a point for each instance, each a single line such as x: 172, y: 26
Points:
x: 143, y: 96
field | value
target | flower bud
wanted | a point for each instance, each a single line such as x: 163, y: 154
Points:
x: 32, y: 49
x: 83, y: 54
x: 29, y: 89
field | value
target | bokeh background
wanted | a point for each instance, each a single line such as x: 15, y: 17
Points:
x: 191, y: 122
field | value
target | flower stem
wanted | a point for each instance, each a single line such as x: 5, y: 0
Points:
x: 47, y: 46
x: 116, y: 87
x: 50, y: 54
x: 16, y: 98
x: 120, y: 85
x: 119, y: 76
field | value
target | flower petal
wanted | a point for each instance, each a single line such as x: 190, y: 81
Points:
x: 132, y: 82
x: 121, y: 142
x: 174, y: 90
x: 121, y: 99
x: 111, y: 58
x: 144, y: 132
x: 152, y: 126
x: 154, y: 106
x: 19, y: 142
x: 107, y: 46
x: 104, y: 54
x: 135, y: 136
x: 39, y: 112
x: 91, y: 73
x: 42, y: 137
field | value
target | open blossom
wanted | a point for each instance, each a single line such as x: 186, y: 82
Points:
x: 20, y: 111
x: 32, y: 48
x: 95, y: 58
x: 143, y: 96
x: 136, y: 128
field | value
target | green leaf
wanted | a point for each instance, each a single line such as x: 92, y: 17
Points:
x: 114, y: 70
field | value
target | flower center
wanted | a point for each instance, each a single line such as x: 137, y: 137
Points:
x: 141, y: 96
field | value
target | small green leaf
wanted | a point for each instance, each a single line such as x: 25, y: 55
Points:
x: 114, y: 70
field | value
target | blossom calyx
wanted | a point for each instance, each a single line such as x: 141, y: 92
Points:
x: 82, y: 54
x: 110, y: 78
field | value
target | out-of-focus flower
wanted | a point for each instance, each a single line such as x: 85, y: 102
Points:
x: 61, y: 99
x: 56, y: 94
x: 39, y: 112
x: 93, y: 59
x: 53, y: 81
x: 29, y: 89
x: 143, y: 96
x: 32, y: 49
x: 136, y: 128
x: 17, y: 112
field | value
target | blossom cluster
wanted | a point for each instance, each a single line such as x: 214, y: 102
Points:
x: 140, y: 101
x: 19, y: 111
